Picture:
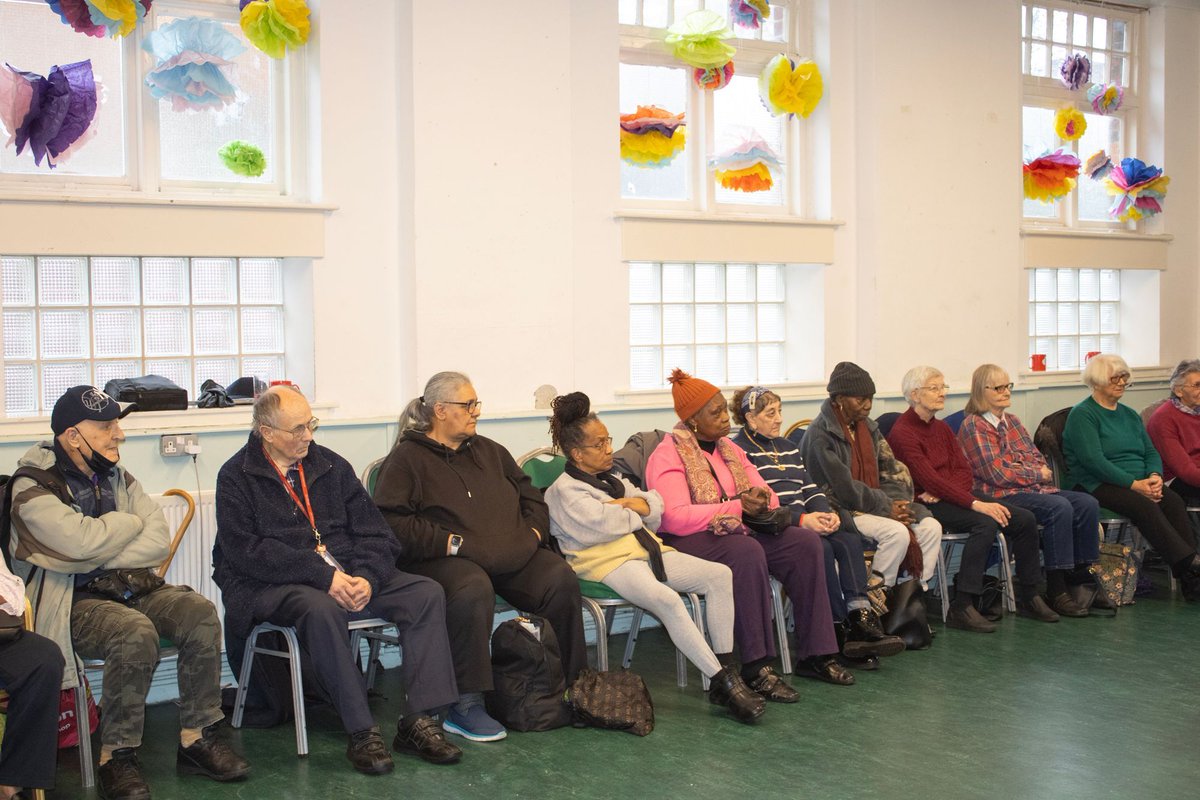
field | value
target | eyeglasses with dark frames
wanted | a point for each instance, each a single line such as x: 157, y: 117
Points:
x: 470, y: 405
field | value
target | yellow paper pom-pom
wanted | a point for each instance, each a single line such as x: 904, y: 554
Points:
x: 275, y: 25
x: 756, y: 178
x: 652, y: 149
x: 789, y: 87
x: 1069, y: 123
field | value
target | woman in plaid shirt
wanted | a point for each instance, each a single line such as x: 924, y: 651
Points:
x: 1006, y: 464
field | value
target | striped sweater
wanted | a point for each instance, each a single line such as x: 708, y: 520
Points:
x: 779, y: 463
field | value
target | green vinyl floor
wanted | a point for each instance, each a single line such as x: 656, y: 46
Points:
x: 1092, y: 708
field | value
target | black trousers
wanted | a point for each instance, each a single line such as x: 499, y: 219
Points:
x: 1164, y: 525
x: 546, y: 586
x: 31, y: 671
x: 1021, y: 533
x: 415, y: 604
x: 1189, y: 493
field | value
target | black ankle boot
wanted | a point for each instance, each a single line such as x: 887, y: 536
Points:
x: 728, y: 689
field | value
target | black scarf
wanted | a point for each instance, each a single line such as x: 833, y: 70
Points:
x: 611, y: 485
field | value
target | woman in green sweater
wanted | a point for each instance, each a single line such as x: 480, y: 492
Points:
x: 1110, y: 455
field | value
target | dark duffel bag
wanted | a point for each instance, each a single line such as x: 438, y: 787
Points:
x: 150, y: 392
x: 528, y: 676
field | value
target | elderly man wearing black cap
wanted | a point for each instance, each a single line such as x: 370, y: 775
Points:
x: 848, y: 456
x: 86, y: 539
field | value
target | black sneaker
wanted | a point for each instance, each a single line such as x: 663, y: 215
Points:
x: 421, y: 736
x: 368, y: 754
x: 211, y: 756
x: 121, y: 777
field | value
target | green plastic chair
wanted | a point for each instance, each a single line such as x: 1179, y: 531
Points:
x: 543, y: 466
x: 370, y: 475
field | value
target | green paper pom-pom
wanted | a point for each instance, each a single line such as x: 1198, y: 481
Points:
x: 243, y: 158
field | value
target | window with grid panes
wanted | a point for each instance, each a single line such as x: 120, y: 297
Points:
x: 724, y: 322
x: 1050, y: 33
x: 1074, y: 312
x: 174, y: 149
x: 716, y: 120
x: 70, y: 320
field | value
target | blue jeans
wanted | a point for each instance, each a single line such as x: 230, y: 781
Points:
x: 1070, y: 526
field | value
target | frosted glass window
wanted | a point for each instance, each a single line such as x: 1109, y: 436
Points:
x: 62, y: 281
x: 214, y: 331
x: 718, y: 321
x: 19, y: 281
x: 93, y: 319
x: 1073, y: 312
x: 115, y: 282
x: 165, y: 281
x: 214, y: 281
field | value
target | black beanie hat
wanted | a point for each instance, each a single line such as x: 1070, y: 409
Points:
x: 850, y: 379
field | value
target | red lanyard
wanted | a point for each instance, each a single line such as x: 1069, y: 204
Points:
x: 306, y: 506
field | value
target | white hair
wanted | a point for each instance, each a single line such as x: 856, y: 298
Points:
x: 1185, y: 368
x: 915, y: 378
x: 1100, y: 368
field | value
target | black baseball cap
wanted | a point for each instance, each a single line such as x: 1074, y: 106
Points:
x: 85, y: 402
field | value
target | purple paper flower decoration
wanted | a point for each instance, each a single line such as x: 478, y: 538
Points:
x: 1076, y: 71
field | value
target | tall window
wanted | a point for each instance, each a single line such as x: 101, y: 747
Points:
x: 142, y: 144
x: 718, y: 120
x: 1051, y: 32
x: 79, y: 320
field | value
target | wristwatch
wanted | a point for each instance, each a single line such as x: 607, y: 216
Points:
x: 455, y: 543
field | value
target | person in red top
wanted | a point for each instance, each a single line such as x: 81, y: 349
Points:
x: 942, y: 480
x: 1174, y: 429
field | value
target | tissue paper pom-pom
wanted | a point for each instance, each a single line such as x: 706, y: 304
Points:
x: 243, y: 158
x: 49, y: 114
x: 275, y: 25
x: 1050, y: 176
x: 746, y: 167
x: 698, y: 40
x: 651, y: 137
x: 193, y: 58
x: 1105, y: 97
x: 1139, y: 189
x: 1098, y: 165
x: 713, y: 79
x: 790, y: 87
x: 1069, y: 123
x: 75, y: 13
x: 749, y: 13
x: 1076, y: 71
x: 101, y: 17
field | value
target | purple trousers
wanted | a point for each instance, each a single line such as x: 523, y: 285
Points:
x: 796, y: 558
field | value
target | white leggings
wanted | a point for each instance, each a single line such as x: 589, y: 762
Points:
x: 635, y: 582
x: 891, y: 543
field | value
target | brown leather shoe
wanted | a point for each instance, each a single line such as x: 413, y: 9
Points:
x: 824, y: 668
x: 368, y: 754
x: 1064, y: 605
x: 772, y: 687
x: 211, y: 756
x: 729, y: 690
x: 1036, y: 608
x: 421, y: 736
x: 967, y: 618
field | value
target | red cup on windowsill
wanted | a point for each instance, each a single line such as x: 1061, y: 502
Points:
x: 1037, y: 362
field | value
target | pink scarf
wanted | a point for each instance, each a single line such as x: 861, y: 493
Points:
x: 702, y: 482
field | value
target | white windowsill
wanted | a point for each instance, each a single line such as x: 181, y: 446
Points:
x: 1096, y: 233
x: 701, y: 216
x: 81, y: 196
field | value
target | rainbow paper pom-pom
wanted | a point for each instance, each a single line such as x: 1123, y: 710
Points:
x: 698, y: 40
x: 54, y: 115
x: 275, y: 25
x: 193, y: 59
x: 749, y: 13
x: 1105, y: 97
x: 1050, y: 176
x: 1098, y: 165
x: 747, y: 166
x: 651, y: 137
x: 1139, y: 189
x: 790, y: 87
x: 713, y: 79
x: 1069, y: 123
x: 243, y: 158
x: 101, y: 18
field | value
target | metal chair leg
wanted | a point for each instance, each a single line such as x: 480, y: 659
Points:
x: 781, y: 626
x: 635, y: 627
x: 942, y: 579
x: 698, y: 619
x: 1006, y: 574
x: 597, y: 612
x: 87, y: 766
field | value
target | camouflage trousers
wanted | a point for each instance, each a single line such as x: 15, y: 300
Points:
x: 127, y: 638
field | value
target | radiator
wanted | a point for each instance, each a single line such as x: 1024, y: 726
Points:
x: 192, y: 565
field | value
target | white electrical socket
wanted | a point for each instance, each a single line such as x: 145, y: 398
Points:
x: 178, y: 444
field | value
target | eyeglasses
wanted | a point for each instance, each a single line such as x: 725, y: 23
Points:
x: 298, y: 431
x: 470, y: 405
x: 601, y: 445
x: 1124, y: 379
x: 940, y: 389
x: 1003, y: 387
